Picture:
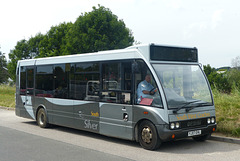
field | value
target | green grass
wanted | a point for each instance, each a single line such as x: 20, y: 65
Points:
x: 7, y: 96
x: 228, y: 112
x: 227, y: 108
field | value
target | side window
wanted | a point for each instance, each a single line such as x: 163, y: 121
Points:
x: 23, y: 81
x: 61, y: 72
x: 116, y: 82
x: 87, y: 81
x: 44, y: 81
x: 147, y: 92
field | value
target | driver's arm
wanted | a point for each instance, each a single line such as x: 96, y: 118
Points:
x: 146, y: 92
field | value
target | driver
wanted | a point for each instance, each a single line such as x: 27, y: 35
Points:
x: 145, y: 89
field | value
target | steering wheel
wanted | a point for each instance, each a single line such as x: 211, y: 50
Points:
x: 150, y: 92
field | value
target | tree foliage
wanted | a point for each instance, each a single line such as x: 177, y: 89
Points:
x: 223, y: 81
x: 236, y: 62
x: 94, y: 31
x: 20, y: 52
x: 3, y: 69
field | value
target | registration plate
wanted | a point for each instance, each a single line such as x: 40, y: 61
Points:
x: 193, y: 133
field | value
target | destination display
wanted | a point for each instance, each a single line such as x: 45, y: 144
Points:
x: 165, y: 53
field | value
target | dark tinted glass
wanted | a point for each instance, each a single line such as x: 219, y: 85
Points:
x: 162, y: 53
x: 116, y: 82
x: 60, y: 80
x: 44, y: 81
x: 87, y: 67
x: 23, y: 81
x: 30, y: 80
x: 87, y: 86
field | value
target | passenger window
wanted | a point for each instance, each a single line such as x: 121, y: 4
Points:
x: 44, y: 81
x: 87, y: 81
x: 60, y: 80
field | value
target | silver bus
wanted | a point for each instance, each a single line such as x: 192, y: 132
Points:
x: 145, y: 93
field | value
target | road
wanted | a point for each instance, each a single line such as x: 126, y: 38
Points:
x: 22, y: 139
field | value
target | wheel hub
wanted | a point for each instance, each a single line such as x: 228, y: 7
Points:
x: 147, y: 135
x: 41, y: 119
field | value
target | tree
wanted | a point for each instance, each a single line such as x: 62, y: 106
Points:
x: 34, y: 46
x: 217, y: 80
x: 236, y: 63
x: 96, y: 31
x: 20, y: 52
x: 54, y: 42
x: 234, y: 78
x: 3, y: 69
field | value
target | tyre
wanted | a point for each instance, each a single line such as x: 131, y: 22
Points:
x: 42, y: 118
x: 202, y: 138
x: 148, y: 136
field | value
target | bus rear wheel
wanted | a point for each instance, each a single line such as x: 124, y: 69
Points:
x: 42, y: 118
x: 148, y: 136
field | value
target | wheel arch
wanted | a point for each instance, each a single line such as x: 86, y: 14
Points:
x: 137, y: 126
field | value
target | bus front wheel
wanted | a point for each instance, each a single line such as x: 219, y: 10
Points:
x: 148, y: 136
x: 42, y: 118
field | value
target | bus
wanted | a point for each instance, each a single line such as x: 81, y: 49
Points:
x: 100, y: 92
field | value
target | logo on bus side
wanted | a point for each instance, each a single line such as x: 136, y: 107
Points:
x: 96, y: 114
x: 89, y: 125
x: 193, y: 116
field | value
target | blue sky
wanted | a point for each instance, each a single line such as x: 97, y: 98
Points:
x: 212, y: 26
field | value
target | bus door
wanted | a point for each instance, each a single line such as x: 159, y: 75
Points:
x: 26, y: 90
x: 115, y: 103
x: 30, y: 86
x: 116, y: 120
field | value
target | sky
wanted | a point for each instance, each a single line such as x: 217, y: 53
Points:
x: 213, y: 26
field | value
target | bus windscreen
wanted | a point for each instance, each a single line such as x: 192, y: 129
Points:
x: 163, y: 53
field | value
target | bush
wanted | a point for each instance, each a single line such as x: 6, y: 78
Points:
x: 224, y: 81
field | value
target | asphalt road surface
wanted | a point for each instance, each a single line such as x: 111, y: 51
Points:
x: 22, y: 139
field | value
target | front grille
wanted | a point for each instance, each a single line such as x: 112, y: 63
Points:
x: 194, y: 123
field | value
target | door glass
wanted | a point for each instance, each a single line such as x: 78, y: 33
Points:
x: 30, y: 81
x: 23, y: 81
x: 116, y: 82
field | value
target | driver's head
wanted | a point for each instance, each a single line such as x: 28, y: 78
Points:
x: 148, y: 78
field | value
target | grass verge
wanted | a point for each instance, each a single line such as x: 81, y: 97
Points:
x: 228, y: 112
x: 7, y: 96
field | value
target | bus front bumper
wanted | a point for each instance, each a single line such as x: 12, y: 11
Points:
x: 166, y: 134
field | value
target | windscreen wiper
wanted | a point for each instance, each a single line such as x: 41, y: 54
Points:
x: 198, y: 105
x: 184, y: 105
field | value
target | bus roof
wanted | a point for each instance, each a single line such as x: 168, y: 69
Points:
x: 141, y: 51
x: 121, y: 54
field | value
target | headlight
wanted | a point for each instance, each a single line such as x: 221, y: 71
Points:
x: 208, y: 120
x: 177, y: 125
x: 172, y: 126
x: 213, y: 120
